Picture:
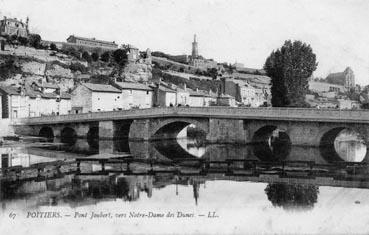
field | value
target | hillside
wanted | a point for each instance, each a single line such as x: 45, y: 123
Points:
x: 19, y: 64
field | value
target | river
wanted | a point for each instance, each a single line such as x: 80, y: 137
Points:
x: 326, y: 195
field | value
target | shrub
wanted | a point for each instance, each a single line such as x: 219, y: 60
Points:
x: 77, y: 67
x: 95, y: 56
x: 86, y: 56
x: 105, y: 56
x: 35, y: 40
x: 53, y: 47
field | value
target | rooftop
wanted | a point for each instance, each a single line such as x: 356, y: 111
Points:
x: 101, y: 87
x: 134, y: 86
x: 93, y: 39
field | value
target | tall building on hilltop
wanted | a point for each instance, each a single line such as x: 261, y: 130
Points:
x: 195, y: 50
x: 345, y: 78
x: 13, y: 26
x: 198, y: 61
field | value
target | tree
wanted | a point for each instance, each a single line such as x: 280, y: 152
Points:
x: 95, y: 56
x: 23, y: 41
x: 77, y: 67
x: 292, y: 196
x: 105, y: 56
x: 35, y: 40
x: 120, y: 56
x: 53, y: 47
x: 213, y: 73
x: 289, y: 68
x: 86, y: 56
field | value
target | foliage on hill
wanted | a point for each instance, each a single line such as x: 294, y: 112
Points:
x: 192, y: 83
x: 8, y: 67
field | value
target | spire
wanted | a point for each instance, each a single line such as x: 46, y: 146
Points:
x: 195, y: 52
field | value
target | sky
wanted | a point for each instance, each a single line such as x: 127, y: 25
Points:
x: 246, y: 31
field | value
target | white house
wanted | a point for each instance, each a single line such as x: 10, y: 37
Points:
x: 89, y: 97
x: 135, y: 95
x: 253, y: 96
x: 31, y: 101
x: 182, y: 95
x: 164, y: 96
x: 201, y: 98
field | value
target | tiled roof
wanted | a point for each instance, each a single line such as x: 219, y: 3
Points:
x: 134, y: 86
x: 101, y: 87
x: 166, y: 89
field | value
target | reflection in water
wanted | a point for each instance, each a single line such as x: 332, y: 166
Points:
x: 262, y: 192
x: 346, y: 145
x: 292, y: 196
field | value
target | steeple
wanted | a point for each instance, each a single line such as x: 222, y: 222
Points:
x: 195, y: 52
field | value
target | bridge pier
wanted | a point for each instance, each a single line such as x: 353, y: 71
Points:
x: 226, y: 131
x: 106, y: 130
x: 140, y: 130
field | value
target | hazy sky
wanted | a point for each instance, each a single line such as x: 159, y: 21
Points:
x: 242, y: 31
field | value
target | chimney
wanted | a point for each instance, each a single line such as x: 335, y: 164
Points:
x: 197, y: 90
x: 185, y: 87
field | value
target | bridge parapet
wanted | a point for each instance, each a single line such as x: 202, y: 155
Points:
x: 292, y: 114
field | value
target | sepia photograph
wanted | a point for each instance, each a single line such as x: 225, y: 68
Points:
x: 184, y: 117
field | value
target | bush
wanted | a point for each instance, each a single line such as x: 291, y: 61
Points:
x: 77, y: 67
x: 53, y: 47
x: 105, y: 56
x: 86, y: 56
x: 120, y: 57
x: 72, y: 52
x: 95, y: 56
x: 35, y: 40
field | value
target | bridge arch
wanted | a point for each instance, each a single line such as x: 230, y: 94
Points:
x: 170, y: 128
x: 47, y: 132
x: 271, y: 143
x: 93, y: 136
x: 68, y: 135
x: 328, y: 147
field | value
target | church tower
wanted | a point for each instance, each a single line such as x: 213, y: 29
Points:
x: 195, y: 52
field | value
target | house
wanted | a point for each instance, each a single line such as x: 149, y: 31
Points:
x: 253, y: 96
x: 13, y: 104
x: 33, y: 100
x: 201, y: 98
x: 89, y: 97
x: 182, y: 95
x: 135, y: 95
x: 226, y: 100
x: 164, y: 96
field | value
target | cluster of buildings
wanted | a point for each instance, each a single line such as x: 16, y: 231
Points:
x: 331, y: 91
x: 38, y: 99
x: 32, y: 100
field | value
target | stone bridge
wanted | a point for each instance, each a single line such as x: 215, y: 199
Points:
x: 310, y: 127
